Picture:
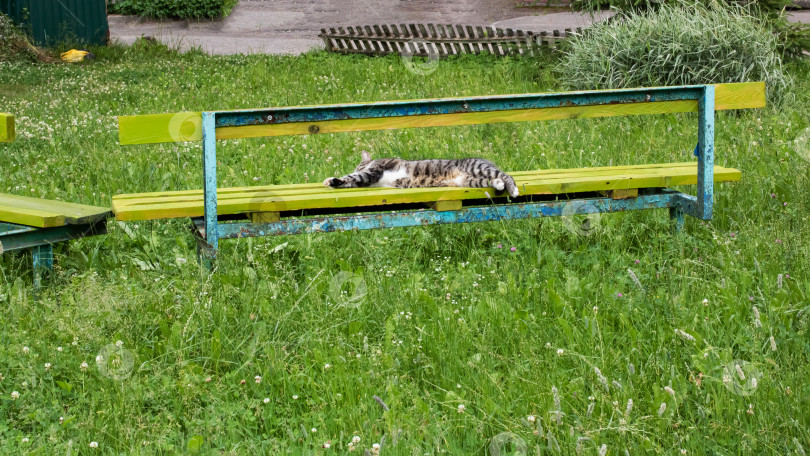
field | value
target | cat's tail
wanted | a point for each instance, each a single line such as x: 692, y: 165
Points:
x: 505, y: 181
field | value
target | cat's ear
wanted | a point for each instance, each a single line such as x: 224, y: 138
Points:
x: 366, y: 157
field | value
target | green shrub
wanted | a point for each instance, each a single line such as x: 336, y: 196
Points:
x: 178, y: 9
x: 641, y: 5
x: 15, y: 46
x: 675, y: 46
x: 793, y: 38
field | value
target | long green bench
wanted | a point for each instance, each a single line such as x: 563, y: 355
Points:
x: 289, y: 209
x: 37, y: 224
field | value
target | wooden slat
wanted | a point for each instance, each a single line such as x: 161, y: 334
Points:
x: 444, y: 205
x: 145, y: 207
x: 6, y: 128
x: 531, y: 174
x: 187, y: 126
x: 44, y: 213
x: 30, y: 217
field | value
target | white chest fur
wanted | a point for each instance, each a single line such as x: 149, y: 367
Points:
x: 389, y: 178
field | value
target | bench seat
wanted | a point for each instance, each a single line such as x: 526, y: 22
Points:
x: 42, y: 213
x: 295, y: 197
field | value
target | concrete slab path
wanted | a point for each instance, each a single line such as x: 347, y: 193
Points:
x: 292, y: 26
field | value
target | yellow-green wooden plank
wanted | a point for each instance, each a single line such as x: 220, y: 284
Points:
x: 70, y: 213
x: 6, y: 128
x: 30, y: 217
x: 314, y: 188
x: 222, y: 192
x: 186, y: 126
x: 340, y: 198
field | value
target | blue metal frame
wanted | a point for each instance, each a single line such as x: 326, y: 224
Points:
x: 679, y: 204
x: 40, y: 241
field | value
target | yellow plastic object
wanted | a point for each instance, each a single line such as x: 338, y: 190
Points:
x: 74, y: 55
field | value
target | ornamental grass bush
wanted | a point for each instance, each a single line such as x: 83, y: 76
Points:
x: 674, y: 46
x: 792, y: 38
x: 176, y: 9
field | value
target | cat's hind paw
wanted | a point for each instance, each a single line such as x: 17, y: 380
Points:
x: 514, y: 193
x: 332, y: 182
x: 498, y: 184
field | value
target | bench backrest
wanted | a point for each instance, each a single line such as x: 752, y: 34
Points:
x: 302, y: 120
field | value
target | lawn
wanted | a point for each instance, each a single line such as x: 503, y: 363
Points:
x: 529, y: 336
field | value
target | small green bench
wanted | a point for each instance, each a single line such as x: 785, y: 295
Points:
x: 288, y: 209
x: 37, y: 224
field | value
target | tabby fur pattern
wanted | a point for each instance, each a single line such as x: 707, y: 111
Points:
x: 398, y: 173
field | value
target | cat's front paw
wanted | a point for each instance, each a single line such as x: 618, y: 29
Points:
x: 333, y: 182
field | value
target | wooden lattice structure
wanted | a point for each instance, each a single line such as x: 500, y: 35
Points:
x: 437, y: 40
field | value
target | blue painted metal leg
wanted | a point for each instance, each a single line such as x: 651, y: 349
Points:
x: 676, y: 215
x: 43, y: 262
x: 705, y: 185
x: 205, y: 254
x: 210, y: 184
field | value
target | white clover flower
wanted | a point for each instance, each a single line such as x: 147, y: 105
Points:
x: 560, y: 352
x: 83, y: 366
x: 26, y: 350
x: 93, y: 444
x: 327, y: 445
x: 461, y: 408
x: 266, y: 400
x: 99, y: 359
x: 258, y: 379
x: 531, y: 419
x: 25, y: 440
x: 59, y: 349
x: 603, y: 450
x: 119, y: 343
x: 684, y: 335
x: 47, y: 366
x: 740, y: 372
x: 15, y: 395
x: 376, y: 447
x: 356, y: 439
x: 327, y: 366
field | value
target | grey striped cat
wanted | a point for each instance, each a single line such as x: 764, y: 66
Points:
x: 398, y: 173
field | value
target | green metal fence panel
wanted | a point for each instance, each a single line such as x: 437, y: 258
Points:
x: 57, y: 21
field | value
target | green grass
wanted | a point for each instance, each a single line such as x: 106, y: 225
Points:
x: 451, y: 316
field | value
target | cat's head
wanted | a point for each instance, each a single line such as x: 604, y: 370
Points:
x: 364, y: 162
